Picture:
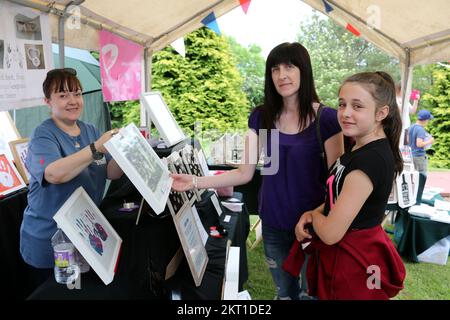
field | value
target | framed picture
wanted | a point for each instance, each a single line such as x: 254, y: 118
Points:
x: 142, y: 165
x: 176, y: 165
x: 163, y: 119
x: 8, y: 132
x: 10, y: 179
x: 192, y: 244
x: 19, y: 150
x: 192, y: 164
x: 90, y: 232
x: 177, y: 202
x: 230, y: 287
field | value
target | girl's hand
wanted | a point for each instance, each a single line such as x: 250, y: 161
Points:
x: 182, y: 182
x: 301, y: 232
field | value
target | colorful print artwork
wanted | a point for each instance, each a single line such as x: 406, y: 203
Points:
x: 92, y: 231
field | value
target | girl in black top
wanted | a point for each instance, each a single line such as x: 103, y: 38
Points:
x: 359, y: 184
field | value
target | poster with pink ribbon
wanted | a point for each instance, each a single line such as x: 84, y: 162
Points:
x: 120, y: 67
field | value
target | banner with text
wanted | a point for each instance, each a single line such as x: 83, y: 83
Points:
x: 25, y: 55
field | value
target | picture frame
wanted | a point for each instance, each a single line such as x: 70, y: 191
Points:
x: 177, y: 202
x: 161, y: 116
x: 192, y: 244
x: 8, y: 132
x: 19, y: 150
x: 192, y: 165
x: 10, y: 179
x: 176, y: 165
x: 230, y: 288
x: 141, y: 164
x: 91, y: 233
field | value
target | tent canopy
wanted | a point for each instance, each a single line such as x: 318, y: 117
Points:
x: 151, y: 23
x: 414, y: 31
x: 419, y: 27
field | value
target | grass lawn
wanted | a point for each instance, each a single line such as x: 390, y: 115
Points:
x: 424, y: 281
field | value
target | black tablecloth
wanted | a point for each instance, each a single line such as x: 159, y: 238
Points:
x: 13, y: 270
x: 146, y: 251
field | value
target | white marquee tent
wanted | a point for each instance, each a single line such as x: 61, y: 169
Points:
x: 414, y: 31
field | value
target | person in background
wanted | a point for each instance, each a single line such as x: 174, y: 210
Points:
x: 290, y: 106
x: 406, y: 123
x: 351, y: 255
x: 64, y: 153
x: 420, y: 140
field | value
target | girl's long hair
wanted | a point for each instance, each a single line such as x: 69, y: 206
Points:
x: 382, y: 88
x: 296, y: 54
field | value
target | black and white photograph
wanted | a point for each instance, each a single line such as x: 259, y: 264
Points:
x: 142, y: 165
x: 176, y: 165
x: 28, y: 28
x: 177, y: 201
x: 192, y: 164
x: 34, y: 54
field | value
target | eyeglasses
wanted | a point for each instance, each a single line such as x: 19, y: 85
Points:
x: 62, y: 70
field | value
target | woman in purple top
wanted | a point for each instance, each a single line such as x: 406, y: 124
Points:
x: 293, y: 177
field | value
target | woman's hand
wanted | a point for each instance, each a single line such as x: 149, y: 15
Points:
x: 99, y: 144
x: 182, y: 182
x: 301, y: 232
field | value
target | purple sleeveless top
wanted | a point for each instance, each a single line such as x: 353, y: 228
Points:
x: 297, y: 185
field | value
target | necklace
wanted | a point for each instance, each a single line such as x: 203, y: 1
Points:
x: 75, y: 142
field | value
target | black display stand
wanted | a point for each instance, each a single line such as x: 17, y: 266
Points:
x: 149, y: 246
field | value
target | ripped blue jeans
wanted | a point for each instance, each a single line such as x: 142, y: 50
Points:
x: 277, y: 244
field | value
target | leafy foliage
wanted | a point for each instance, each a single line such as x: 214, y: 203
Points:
x: 438, y: 101
x: 204, y: 87
x: 251, y: 66
x: 336, y: 54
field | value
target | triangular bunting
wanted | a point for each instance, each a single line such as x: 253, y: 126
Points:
x: 245, y: 4
x: 328, y: 7
x: 211, y: 22
x: 353, y: 30
x: 179, y: 47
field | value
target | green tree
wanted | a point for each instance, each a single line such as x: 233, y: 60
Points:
x: 251, y: 66
x: 336, y: 54
x: 204, y: 87
x: 438, y: 100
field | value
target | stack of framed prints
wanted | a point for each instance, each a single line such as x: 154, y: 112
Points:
x: 142, y: 165
x: 19, y: 150
x: 163, y: 119
x: 176, y: 165
x: 90, y: 233
x: 192, y: 165
x: 10, y: 179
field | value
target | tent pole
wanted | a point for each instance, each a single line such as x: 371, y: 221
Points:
x: 406, y: 89
x: 61, y: 21
x: 148, y: 54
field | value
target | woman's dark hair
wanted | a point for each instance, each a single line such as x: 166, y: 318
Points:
x: 382, y: 88
x: 289, y: 53
x: 59, y: 80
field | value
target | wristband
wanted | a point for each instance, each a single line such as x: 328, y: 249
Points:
x: 194, y: 182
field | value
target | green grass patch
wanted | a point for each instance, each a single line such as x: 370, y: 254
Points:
x: 424, y: 281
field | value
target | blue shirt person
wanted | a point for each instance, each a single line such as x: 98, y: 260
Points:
x: 64, y: 153
x: 420, y: 140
